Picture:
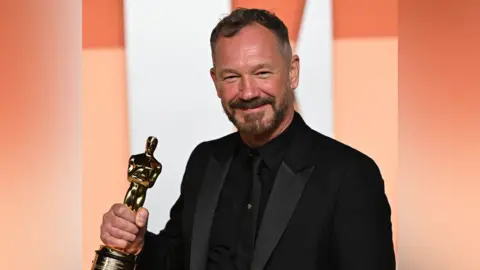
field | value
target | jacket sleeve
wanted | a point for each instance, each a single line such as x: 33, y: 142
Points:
x: 165, y: 250
x: 362, y: 238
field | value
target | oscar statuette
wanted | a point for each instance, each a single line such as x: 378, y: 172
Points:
x: 143, y: 170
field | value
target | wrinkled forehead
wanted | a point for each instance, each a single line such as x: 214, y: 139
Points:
x: 252, y: 45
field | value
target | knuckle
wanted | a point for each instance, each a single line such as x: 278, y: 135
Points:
x: 110, y: 228
x: 104, y: 239
x: 105, y: 217
x: 116, y: 221
x: 117, y: 209
x: 112, y: 232
x: 114, y: 206
x: 113, y: 221
x: 120, y: 234
x: 134, y: 229
x: 103, y: 228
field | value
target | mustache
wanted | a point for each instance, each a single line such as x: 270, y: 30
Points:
x: 252, y: 103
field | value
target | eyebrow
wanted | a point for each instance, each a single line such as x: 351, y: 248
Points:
x: 227, y: 70
x: 257, y: 67
x: 260, y: 66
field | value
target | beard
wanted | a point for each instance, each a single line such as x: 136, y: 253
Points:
x: 258, y: 123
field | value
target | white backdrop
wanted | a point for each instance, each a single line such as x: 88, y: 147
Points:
x: 171, y: 95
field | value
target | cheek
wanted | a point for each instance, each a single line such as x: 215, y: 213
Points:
x: 272, y: 87
x: 228, y: 92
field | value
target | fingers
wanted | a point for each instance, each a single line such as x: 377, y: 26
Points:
x: 114, y: 242
x: 122, y: 228
x: 121, y: 234
x: 124, y: 225
x: 121, y: 210
x: 121, y: 217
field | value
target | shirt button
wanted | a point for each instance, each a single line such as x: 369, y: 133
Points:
x: 249, y: 206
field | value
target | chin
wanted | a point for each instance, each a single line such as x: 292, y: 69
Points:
x: 256, y: 127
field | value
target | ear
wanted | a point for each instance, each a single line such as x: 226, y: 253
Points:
x: 214, y: 79
x: 294, y: 71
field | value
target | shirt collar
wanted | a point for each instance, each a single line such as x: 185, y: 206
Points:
x: 273, y: 152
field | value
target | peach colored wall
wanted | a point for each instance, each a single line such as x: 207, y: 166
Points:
x: 290, y: 12
x: 365, y: 84
x: 104, y: 113
x: 365, y: 103
x: 40, y: 153
x: 105, y: 140
x: 439, y: 136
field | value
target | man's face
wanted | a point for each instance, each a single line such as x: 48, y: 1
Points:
x: 254, y: 80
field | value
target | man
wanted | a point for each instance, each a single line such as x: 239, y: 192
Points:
x: 274, y: 195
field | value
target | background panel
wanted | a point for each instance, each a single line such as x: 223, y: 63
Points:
x: 314, y: 47
x: 439, y: 135
x: 365, y: 101
x: 105, y: 141
x: 365, y: 18
x: 40, y: 143
x: 102, y: 24
x: 365, y: 69
x: 170, y: 92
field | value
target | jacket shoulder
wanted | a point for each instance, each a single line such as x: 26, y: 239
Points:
x: 338, y: 152
x: 206, y: 148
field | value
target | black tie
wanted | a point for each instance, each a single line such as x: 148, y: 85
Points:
x: 246, y: 244
x: 256, y: 194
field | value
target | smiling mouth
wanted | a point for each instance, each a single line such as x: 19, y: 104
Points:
x: 258, y: 108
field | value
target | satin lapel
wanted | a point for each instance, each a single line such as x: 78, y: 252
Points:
x: 285, y: 195
x: 206, y: 205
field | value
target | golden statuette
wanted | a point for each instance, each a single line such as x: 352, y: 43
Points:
x: 143, y: 171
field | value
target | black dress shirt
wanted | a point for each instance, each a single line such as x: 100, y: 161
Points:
x: 230, y: 223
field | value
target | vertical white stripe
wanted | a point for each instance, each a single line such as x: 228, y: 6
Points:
x: 314, y: 47
x: 170, y: 92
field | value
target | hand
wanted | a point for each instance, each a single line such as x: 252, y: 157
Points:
x: 124, y: 229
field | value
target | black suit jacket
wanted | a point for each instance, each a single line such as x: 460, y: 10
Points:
x: 327, y: 211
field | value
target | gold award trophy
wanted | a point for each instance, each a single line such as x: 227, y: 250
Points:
x: 143, y: 170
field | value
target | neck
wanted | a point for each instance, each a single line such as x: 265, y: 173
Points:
x: 257, y: 140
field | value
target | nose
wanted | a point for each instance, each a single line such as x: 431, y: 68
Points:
x: 248, y: 88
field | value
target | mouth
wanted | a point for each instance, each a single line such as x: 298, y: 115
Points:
x: 253, y: 110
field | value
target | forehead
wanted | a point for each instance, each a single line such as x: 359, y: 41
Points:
x: 252, y: 44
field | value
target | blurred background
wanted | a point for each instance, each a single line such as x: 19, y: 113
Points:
x: 396, y: 79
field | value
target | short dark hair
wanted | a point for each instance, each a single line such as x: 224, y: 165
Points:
x: 230, y: 25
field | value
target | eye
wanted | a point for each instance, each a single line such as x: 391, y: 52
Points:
x: 230, y: 78
x: 263, y: 74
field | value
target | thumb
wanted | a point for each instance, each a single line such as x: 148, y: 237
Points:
x: 142, y: 217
